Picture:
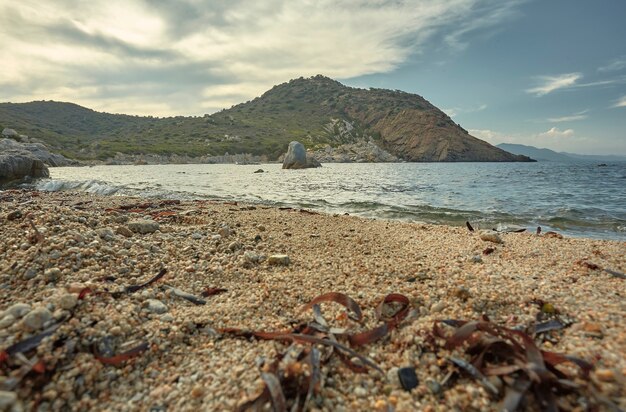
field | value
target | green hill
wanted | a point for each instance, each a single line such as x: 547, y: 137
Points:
x: 315, y: 111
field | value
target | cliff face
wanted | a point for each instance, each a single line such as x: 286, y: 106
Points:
x: 317, y: 111
x: 430, y: 136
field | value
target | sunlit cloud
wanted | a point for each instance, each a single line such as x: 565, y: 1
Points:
x: 196, y: 56
x: 621, y: 102
x: 576, y: 116
x: 454, y: 111
x: 552, y: 83
x: 556, y: 133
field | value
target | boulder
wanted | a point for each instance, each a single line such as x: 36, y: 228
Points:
x: 8, y: 132
x: 16, y: 165
x: 296, y: 157
x: 39, y: 150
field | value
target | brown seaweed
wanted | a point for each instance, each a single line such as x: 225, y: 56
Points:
x: 124, y: 356
x: 513, y: 355
x: 135, y: 288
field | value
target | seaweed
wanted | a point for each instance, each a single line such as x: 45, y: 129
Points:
x: 124, y: 356
x: 513, y: 355
x: 294, y: 380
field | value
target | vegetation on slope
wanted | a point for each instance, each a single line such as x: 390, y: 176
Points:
x: 315, y: 111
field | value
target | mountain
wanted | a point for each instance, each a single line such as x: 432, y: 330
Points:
x: 547, y: 155
x: 541, y: 155
x: 316, y: 111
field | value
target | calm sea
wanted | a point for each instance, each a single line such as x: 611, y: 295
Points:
x: 576, y: 199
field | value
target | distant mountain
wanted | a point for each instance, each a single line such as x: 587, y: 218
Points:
x: 541, y: 155
x: 317, y: 111
x: 547, y: 155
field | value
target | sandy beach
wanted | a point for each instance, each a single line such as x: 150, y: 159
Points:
x: 75, y: 272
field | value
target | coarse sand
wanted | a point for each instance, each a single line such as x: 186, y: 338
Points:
x: 74, y: 265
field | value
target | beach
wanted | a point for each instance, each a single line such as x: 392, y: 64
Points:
x: 80, y: 266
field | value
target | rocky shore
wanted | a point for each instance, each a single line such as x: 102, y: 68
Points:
x: 114, y: 303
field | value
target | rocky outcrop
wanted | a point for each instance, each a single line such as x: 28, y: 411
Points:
x: 429, y: 135
x: 6, y: 132
x: 296, y: 157
x: 16, y: 165
x: 363, y: 151
x: 38, y: 150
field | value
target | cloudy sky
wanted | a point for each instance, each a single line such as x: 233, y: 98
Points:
x: 546, y: 73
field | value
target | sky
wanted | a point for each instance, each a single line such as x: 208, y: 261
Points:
x: 543, y: 73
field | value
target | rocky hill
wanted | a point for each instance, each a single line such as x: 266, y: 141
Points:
x: 317, y: 111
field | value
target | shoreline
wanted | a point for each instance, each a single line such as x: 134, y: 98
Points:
x: 89, y: 241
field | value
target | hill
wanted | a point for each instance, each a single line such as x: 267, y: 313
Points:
x: 541, y: 155
x: 547, y: 155
x: 317, y: 111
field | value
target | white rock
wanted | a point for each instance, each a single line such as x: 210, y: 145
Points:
x: 491, y: 237
x: 155, y: 306
x: 7, y: 400
x: 7, y: 321
x: 437, y: 307
x: 278, y: 260
x: 143, y: 226
x: 67, y: 301
x: 36, y: 319
x: 18, y: 310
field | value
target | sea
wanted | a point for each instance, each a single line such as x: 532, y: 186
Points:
x: 581, y: 200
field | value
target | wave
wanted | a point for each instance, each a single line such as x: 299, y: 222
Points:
x: 575, y: 221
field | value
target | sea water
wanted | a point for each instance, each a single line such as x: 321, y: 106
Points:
x: 583, y: 199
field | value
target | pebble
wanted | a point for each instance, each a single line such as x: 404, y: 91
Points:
x: 67, y: 301
x: 251, y: 257
x: 234, y: 246
x: 408, y: 378
x: 16, y: 214
x: 434, y: 386
x: 7, y: 321
x: 197, y: 391
x: 437, y: 307
x: 196, y: 235
x: 224, y: 231
x: 462, y: 293
x: 605, y: 375
x: 7, y: 400
x: 124, y: 231
x: 393, y: 378
x: 18, y: 310
x: 155, y: 306
x: 143, y: 226
x: 593, y: 330
x: 477, y: 259
x: 278, y: 260
x: 31, y: 273
x: 36, y: 319
x: 52, y: 274
x: 106, y: 234
x: 491, y: 237
x: 167, y: 317
x: 360, y: 392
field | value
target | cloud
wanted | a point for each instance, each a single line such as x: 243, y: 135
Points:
x: 490, y: 136
x: 454, y: 111
x: 552, y: 83
x: 621, y: 102
x: 198, y: 55
x: 576, y: 116
x: 615, y: 65
x: 556, y: 133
